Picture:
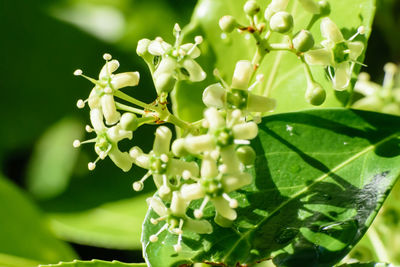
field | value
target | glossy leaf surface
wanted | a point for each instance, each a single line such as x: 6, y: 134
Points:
x: 319, y: 179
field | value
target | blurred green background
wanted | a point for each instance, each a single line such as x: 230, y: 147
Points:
x: 46, y: 192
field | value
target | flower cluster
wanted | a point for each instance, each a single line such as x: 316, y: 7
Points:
x: 379, y: 98
x: 207, y: 164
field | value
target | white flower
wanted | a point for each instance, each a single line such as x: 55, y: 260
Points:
x: 161, y: 164
x: 102, y: 95
x: 238, y: 95
x: 379, y: 98
x: 106, y: 142
x: 176, y: 220
x: 339, y: 53
x: 175, y: 62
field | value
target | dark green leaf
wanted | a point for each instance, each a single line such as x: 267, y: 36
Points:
x: 369, y: 264
x: 321, y: 176
x: 95, y: 263
x: 23, y: 233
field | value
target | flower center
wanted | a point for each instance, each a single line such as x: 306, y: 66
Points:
x: 213, y: 186
x: 340, y: 52
x: 157, y: 166
x: 224, y: 137
x: 237, y: 99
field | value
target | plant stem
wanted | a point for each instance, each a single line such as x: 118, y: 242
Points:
x: 134, y: 101
x: 129, y: 108
x: 378, y: 245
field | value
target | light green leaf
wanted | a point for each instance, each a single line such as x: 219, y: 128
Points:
x: 95, y: 263
x: 115, y: 224
x: 284, y: 76
x: 53, y: 159
x: 7, y: 260
x: 320, y: 178
x: 23, y: 233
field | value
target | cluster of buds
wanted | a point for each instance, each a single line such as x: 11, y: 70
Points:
x: 335, y: 53
x: 379, y: 98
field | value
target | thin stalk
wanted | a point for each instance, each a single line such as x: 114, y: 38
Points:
x: 134, y: 101
x: 129, y: 108
x: 378, y: 245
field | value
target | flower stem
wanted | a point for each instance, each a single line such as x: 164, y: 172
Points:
x: 134, y: 101
x: 129, y: 108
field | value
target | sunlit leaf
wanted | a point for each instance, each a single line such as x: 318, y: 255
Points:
x: 319, y: 179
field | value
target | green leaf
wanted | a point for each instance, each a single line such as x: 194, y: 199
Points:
x: 95, y: 263
x: 284, y: 76
x: 7, y: 260
x: 115, y: 224
x: 383, y: 235
x: 320, y: 178
x: 53, y: 159
x: 23, y: 233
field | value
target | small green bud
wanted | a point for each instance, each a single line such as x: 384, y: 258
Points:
x: 129, y: 121
x: 246, y: 155
x: 315, y: 94
x: 227, y: 24
x: 164, y: 83
x: 281, y: 22
x: 251, y: 8
x: 310, y: 6
x: 303, y: 41
x: 324, y: 7
x: 142, y: 47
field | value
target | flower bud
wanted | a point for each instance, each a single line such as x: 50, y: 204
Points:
x: 227, y: 24
x: 275, y: 6
x: 142, y: 47
x: 214, y: 96
x: 310, y: 6
x: 242, y: 74
x: 324, y: 8
x: 315, y: 94
x: 251, y: 8
x: 303, y: 41
x: 246, y: 155
x: 129, y: 121
x: 164, y: 83
x: 281, y: 22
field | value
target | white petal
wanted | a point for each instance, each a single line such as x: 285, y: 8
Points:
x: 110, y: 112
x: 139, y: 158
x: 321, y: 56
x: 232, y: 182
x: 158, y: 48
x: 195, y: 52
x: 178, y: 204
x: 94, y: 99
x: 125, y: 79
x: 248, y: 130
x: 230, y: 159
x: 209, y: 168
x: 371, y: 103
x: 222, y: 207
x: 96, y: 118
x: 310, y: 6
x: 162, y: 140
x: 356, y: 49
x: 257, y: 103
x: 199, y: 144
x: 367, y: 87
x: 166, y: 66
x: 242, y: 74
x: 214, y: 95
x: 331, y: 31
x: 197, y: 226
x: 342, y: 76
x: 157, y: 205
x: 121, y: 159
x: 192, y: 191
x: 196, y: 73
x: 176, y: 167
x: 108, y: 68
x: 214, y: 118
